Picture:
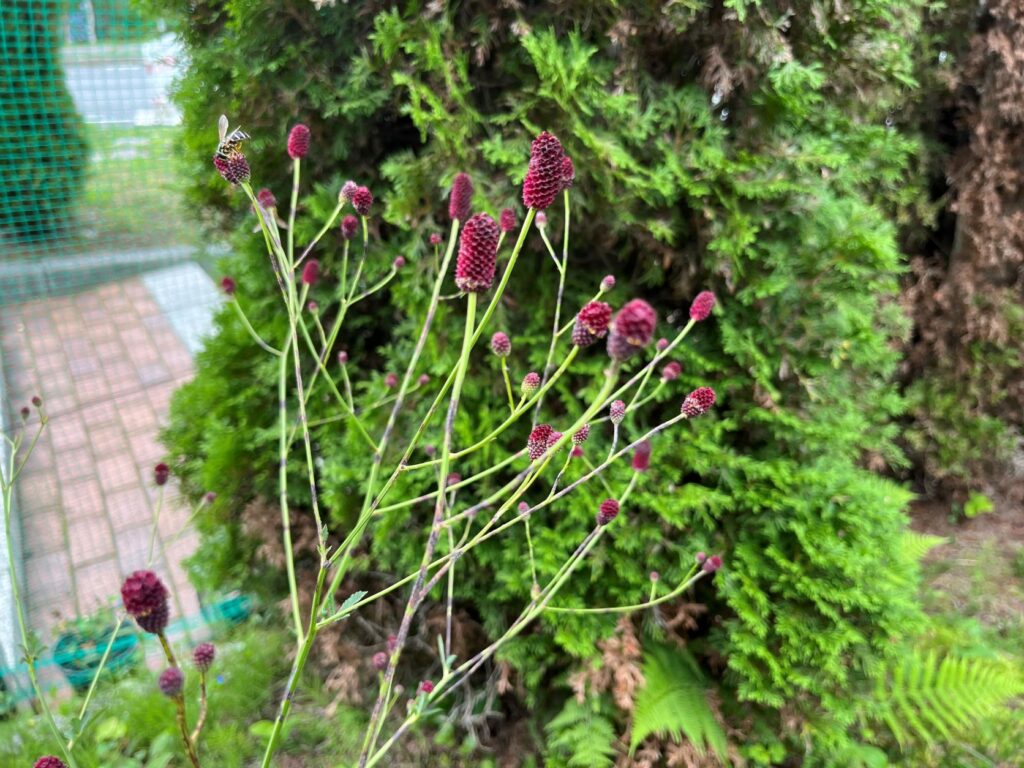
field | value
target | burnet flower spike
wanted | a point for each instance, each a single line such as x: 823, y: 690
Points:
x: 460, y: 199
x: 632, y: 330
x: 543, y: 179
x: 478, y: 250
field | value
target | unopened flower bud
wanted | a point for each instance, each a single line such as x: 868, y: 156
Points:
x: 662, y: 344
x: 227, y: 285
x: 342, y: 357
x: 500, y: 344
x: 712, y: 564
x: 642, y: 456
x: 507, y: 220
x: 25, y: 412
x: 37, y: 401
x: 607, y: 282
x: 655, y: 576
x: 424, y: 379
x: 391, y: 380
x: 209, y: 497
x: 203, y: 656
x: 700, y: 557
x: 298, y: 142
x: 348, y: 189
x: 349, y: 227
x: 161, y: 473
x: 460, y: 199
x: 580, y: 436
x: 266, y: 198
x: 426, y: 687
x: 671, y: 371
x: 399, y: 262
x: 537, y: 444
x: 576, y: 452
x: 362, y: 200
x: 617, y: 412
x: 311, y: 272
x: 607, y: 512
x: 698, y: 402
x: 531, y: 382
x: 435, y: 239
x: 171, y: 681
x: 454, y: 478
x: 541, y: 219
x: 702, y: 306
x: 392, y: 643
x: 380, y: 661
x: 429, y: 449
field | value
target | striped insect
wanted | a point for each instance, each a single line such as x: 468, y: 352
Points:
x: 230, y: 143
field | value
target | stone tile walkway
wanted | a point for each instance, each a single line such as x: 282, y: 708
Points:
x: 105, y: 362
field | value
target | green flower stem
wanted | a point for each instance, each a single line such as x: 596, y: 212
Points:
x: 286, y: 526
x: 687, y: 582
x: 558, y: 477
x: 323, y: 231
x: 96, y: 676
x: 558, y: 301
x: 252, y: 331
x: 293, y: 680
x: 375, y: 287
x: 533, y: 562
x: 648, y: 370
x: 334, y: 388
x: 343, y: 288
x: 572, y: 322
x: 291, y: 213
x: 201, y: 719
x: 508, y: 386
x: 321, y: 335
x: 13, y: 470
x: 590, y: 466
x: 348, y: 387
x: 156, y: 522
x: 637, y: 406
x: 376, y: 719
x: 179, y: 704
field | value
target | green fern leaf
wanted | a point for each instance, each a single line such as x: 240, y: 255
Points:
x: 916, y: 545
x: 581, y: 738
x: 673, y: 702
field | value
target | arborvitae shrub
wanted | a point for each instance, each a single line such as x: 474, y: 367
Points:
x: 712, y: 149
x: 43, y: 154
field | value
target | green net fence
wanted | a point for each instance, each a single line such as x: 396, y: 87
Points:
x: 102, y: 306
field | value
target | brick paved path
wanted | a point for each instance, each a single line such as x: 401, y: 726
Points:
x: 105, y: 362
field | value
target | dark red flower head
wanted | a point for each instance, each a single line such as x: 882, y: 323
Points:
x: 435, y: 239
x: 568, y: 172
x: 266, y: 198
x: 203, y: 655
x: 543, y: 179
x: 460, y: 200
x: 227, y: 284
x: 362, y: 200
x: 698, y: 402
x: 234, y: 168
x: 171, y: 681
x: 478, y: 249
x: 298, y: 142
x: 37, y: 401
x: 507, y: 220
x: 145, y: 599
x: 642, y: 456
x: 671, y: 371
x: 635, y: 322
x: 426, y: 687
x: 576, y: 451
x: 380, y: 661
x: 530, y: 383
x: 349, y: 227
x: 596, y: 316
x: 49, y: 761
x: 311, y: 272
x: 702, y: 306
x: 500, y: 344
x: 712, y: 564
x: 161, y: 473
x: 537, y: 444
x: 607, y: 512
x: 617, y: 412
x: 25, y: 411
x: 580, y: 436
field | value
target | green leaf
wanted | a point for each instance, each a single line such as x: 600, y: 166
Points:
x: 977, y: 504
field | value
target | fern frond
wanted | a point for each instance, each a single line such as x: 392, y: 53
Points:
x: 923, y: 697
x: 915, y: 546
x: 673, y: 702
x: 582, y: 737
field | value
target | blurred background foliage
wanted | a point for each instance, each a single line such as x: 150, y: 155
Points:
x: 792, y: 157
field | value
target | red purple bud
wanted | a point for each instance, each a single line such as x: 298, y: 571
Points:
x: 266, y: 198
x: 348, y: 189
x: 478, y: 249
x: 595, y: 317
x: 145, y: 599
x: 500, y: 344
x: 423, y: 380
x: 429, y: 449
x: 531, y: 382
x: 399, y: 262
x: 362, y: 200
x: 234, y: 168
x: 523, y: 507
x: 642, y: 456
x: 712, y: 564
x: 702, y: 306
x: 538, y: 442
x: 554, y: 437
x: 37, y: 401
x: 454, y: 478
x: 662, y: 344
x: 700, y: 557
x: 25, y: 412
x: 203, y: 656
x: 541, y: 219
x: 426, y: 687
x: 507, y: 220
x: 543, y: 180
x: 349, y: 227
x: 460, y: 199
x: 298, y: 142
x: 568, y: 172
x: 698, y: 402
x: 49, y: 761
x: 380, y: 661
x: 435, y: 239
x: 391, y: 380
x: 342, y: 357
x: 227, y: 284
x: 671, y: 371
x: 392, y: 643
x: 580, y: 436
x: 617, y: 412
x: 635, y: 322
x: 161, y: 473
x: 171, y: 681
x: 655, y: 576
x: 312, y: 307
x: 607, y: 512
x: 576, y: 452
x: 209, y: 497
x: 607, y: 282
x: 311, y: 272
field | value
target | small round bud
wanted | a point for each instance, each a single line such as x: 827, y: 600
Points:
x: 507, y: 220
x: 209, y: 497
x: 435, y: 239
x: 576, y: 452
x: 298, y: 142
x: 454, y: 478
x: 712, y: 564
x: 348, y: 189
x: 541, y: 219
x: 399, y: 262
x: 607, y: 512
x: 37, y: 401
x: 161, y: 473
x: 460, y: 199
x: 698, y: 402
x: 391, y: 380
x: 700, y: 557
x: 392, y: 643
x: 349, y: 227
x: 423, y: 380
x: 362, y: 200
x: 662, y: 344
x: 702, y: 306
x: 429, y: 449
x: 266, y: 198
x: 671, y: 371
x: 311, y: 272
x: 203, y: 656
x: 312, y: 307
x: 617, y: 412
x: 655, y: 576
x: 49, y: 761
x: 25, y: 412
x: 500, y: 344
x: 531, y: 382
x: 523, y: 507
x: 642, y: 456
x: 538, y: 442
x: 580, y: 436
x: 426, y: 687
x: 380, y: 661
x: 607, y: 282
x: 342, y: 357
x: 171, y: 681
x: 227, y: 284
